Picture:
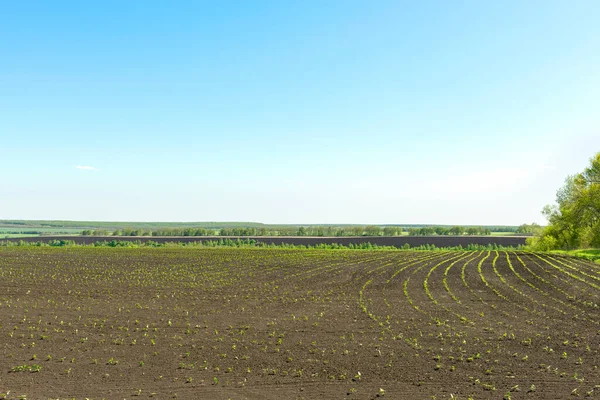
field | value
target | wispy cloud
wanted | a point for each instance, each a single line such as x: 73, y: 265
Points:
x: 86, y: 168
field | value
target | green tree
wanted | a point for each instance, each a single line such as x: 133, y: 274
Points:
x: 357, y: 230
x: 372, y: 230
x: 390, y: 231
x: 413, y: 231
x: 574, y: 220
x: 426, y: 231
x: 529, y: 229
x: 472, y: 231
x: 440, y: 230
x: 456, y: 230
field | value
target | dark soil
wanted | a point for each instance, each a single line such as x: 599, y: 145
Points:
x: 290, y: 324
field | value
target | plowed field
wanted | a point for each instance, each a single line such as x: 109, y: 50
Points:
x: 290, y: 324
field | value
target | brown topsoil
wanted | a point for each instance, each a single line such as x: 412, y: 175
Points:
x: 202, y: 323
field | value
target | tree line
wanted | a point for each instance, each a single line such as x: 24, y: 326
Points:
x: 319, y: 231
x: 529, y: 229
x: 245, y: 243
x: 444, y: 231
x: 370, y: 230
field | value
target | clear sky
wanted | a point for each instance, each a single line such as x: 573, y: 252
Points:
x: 349, y: 111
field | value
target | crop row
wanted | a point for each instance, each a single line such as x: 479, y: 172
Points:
x: 291, y: 323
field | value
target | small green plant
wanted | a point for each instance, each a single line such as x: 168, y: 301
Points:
x: 531, y: 389
x: 26, y: 368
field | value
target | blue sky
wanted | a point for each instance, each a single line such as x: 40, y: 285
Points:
x: 449, y: 112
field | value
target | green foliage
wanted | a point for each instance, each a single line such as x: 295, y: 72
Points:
x: 26, y: 368
x: 310, y: 230
x: 61, y: 243
x: 372, y: 230
x: 392, y: 231
x: 455, y: 231
x: 574, y: 221
x: 252, y: 243
x: 587, y: 254
x: 529, y: 229
x: 542, y: 243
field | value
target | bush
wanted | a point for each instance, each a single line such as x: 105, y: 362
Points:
x: 544, y: 243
